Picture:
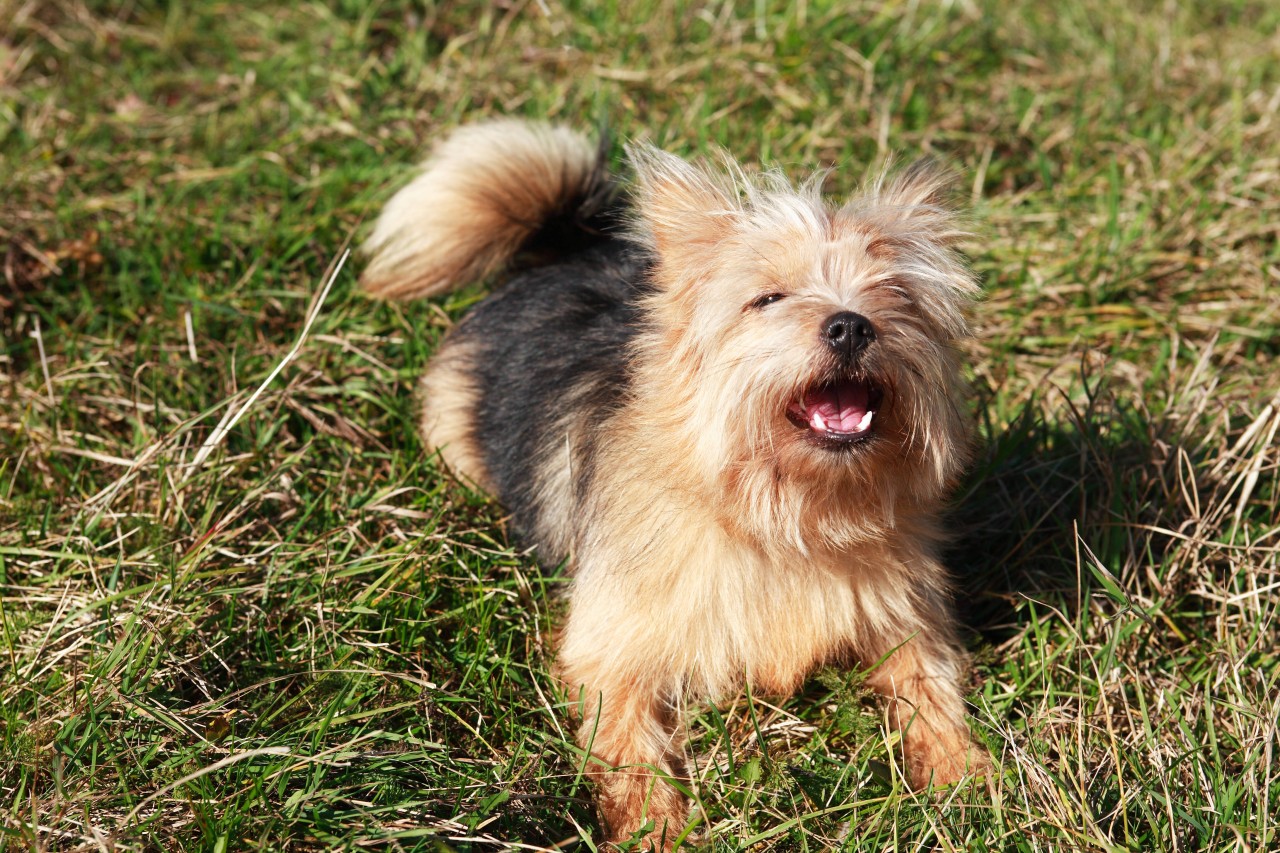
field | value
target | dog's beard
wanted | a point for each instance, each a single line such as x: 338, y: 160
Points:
x: 806, y: 449
x: 828, y: 461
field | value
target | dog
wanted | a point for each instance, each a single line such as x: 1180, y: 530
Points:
x: 735, y: 408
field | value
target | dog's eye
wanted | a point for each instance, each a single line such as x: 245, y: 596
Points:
x: 767, y: 299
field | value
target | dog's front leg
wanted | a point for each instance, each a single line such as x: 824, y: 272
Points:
x: 630, y: 727
x: 920, y: 673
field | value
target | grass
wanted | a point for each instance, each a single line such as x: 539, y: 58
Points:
x: 305, y: 638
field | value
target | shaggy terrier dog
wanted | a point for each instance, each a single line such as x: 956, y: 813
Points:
x: 734, y: 407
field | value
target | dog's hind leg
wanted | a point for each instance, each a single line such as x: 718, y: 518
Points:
x: 448, y: 398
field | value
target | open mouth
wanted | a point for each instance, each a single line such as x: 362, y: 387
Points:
x: 839, y: 412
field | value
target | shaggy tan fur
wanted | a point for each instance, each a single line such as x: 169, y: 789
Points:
x: 718, y: 545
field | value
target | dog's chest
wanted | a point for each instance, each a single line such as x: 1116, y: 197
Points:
x: 770, y: 621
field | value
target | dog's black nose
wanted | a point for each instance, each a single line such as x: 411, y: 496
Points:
x: 848, y: 333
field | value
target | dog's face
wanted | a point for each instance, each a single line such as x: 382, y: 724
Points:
x: 815, y: 344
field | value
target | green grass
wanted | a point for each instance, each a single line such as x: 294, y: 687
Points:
x: 306, y: 638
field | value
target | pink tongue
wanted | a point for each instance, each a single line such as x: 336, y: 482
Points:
x: 838, y: 408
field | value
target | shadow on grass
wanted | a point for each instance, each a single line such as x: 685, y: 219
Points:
x: 1066, y: 502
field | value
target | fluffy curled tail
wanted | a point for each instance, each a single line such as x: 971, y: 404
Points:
x: 488, y: 193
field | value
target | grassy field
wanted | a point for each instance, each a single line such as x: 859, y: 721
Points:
x: 295, y: 634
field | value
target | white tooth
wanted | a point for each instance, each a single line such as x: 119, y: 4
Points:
x: 817, y: 422
x: 866, y: 421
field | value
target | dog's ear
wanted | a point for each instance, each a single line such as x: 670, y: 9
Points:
x: 914, y: 215
x: 923, y: 184
x: 916, y: 202
x: 682, y: 210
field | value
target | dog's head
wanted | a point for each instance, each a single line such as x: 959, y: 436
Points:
x: 809, y: 347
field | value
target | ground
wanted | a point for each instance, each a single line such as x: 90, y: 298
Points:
x: 241, y: 608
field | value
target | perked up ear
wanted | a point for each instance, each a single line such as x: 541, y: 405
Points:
x: 682, y: 210
x: 922, y: 184
x: 917, y: 201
